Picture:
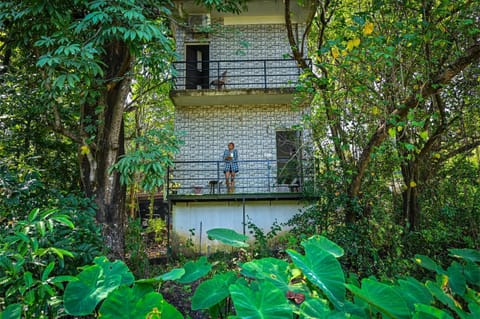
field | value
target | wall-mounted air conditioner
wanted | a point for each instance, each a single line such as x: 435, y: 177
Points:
x: 196, y: 21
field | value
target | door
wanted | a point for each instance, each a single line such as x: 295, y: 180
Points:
x: 197, y: 66
x: 288, y: 157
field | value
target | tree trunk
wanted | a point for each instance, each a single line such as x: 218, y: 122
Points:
x: 411, y: 206
x: 97, y: 182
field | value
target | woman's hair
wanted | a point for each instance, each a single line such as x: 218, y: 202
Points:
x: 231, y: 143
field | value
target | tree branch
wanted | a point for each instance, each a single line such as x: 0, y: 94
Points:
x: 297, y: 54
x: 59, y: 128
x: 434, y: 86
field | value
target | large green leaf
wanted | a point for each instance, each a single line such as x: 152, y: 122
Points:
x: 129, y: 302
x: 326, y: 244
x: 323, y: 270
x: 428, y: 263
x: 119, y: 304
x: 267, y: 302
x: 425, y: 312
x: 173, y: 274
x: 228, y: 237
x: 212, y: 291
x: 153, y: 305
x: 467, y: 254
x: 384, y: 298
x: 270, y: 269
x: 82, y: 296
x: 472, y: 273
x: 456, y: 278
x: 444, y: 298
x: 195, y: 270
x: 315, y: 309
x: 13, y: 311
x: 414, y: 292
x: 117, y: 268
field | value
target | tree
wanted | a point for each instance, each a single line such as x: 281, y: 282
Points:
x: 385, y: 72
x: 81, y: 58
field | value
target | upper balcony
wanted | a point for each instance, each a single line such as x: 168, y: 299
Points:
x: 221, y: 82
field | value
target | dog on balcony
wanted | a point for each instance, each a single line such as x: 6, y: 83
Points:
x: 220, y: 82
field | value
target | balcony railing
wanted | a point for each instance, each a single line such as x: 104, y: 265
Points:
x: 236, y: 74
x: 254, y: 177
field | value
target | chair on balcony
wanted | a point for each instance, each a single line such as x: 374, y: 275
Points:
x: 220, y: 82
x: 214, y: 184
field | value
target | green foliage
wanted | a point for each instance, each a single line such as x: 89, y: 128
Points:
x: 313, y: 286
x: 135, y: 248
x: 22, y: 192
x: 110, y: 287
x: 194, y: 270
x: 259, y: 301
x: 228, y: 237
x: 149, y: 162
x: 158, y: 227
x: 263, y: 240
x: 30, y: 265
x: 213, y: 291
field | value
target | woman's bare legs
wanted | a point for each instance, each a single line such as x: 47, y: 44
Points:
x: 230, y: 181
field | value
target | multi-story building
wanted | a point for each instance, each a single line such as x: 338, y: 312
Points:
x: 235, y: 82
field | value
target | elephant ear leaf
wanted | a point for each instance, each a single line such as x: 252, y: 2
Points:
x: 212, y: 291
x: 195, y: 270
x: 269, y: 269
x: 266, y: 302
x: 117, y: 267
x: 382, y: 298
x: 228, y: 237
x: 322, y: 269
x: 82, y: 296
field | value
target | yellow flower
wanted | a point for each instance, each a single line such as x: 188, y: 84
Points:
x: 413, y: 184
x: 84, y: 150
x: 350, y: 45
x: 368, y: 28
x: 353, y: 44
x: 335, y: 52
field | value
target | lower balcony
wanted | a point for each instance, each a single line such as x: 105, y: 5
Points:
x: 256, y: 179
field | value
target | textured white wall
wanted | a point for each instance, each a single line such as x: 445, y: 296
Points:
x: 189, y: 216
x: 246, y: 42
x: 208, y: 129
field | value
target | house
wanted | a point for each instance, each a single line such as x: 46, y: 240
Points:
x: 236, y: 83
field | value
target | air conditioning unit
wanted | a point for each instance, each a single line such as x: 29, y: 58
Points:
x: 196, y: 21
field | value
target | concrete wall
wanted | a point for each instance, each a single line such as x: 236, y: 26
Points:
x: 187, y: 218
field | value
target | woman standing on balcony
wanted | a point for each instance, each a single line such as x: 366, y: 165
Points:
x: 230, y: 156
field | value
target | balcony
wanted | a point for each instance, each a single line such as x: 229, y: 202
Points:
x: 257, y: 179
x: 267, y: 81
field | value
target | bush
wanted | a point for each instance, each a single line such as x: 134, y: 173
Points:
x: 21, y: 192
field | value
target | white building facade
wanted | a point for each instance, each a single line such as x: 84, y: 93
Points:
x: 236, y: 84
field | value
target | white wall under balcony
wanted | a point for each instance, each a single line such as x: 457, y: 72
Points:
x: 206, y: 215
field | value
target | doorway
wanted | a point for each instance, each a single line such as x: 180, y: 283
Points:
x: 288, y: 156
x: 197, y: 66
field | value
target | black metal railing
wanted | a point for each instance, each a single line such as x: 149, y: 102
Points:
x: 236, y: 74
x: 254, y: 176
